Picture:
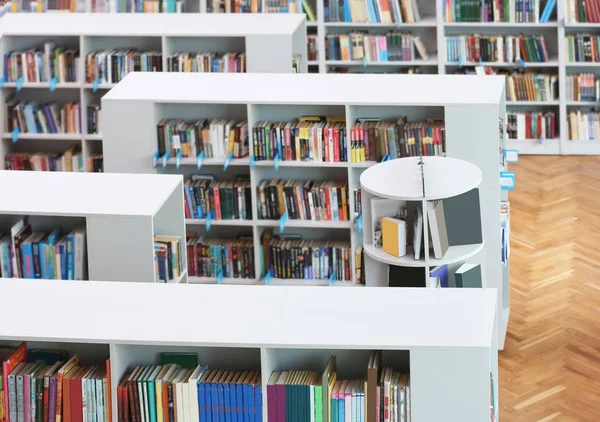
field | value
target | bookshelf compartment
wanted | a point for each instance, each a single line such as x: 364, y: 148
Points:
x: 265, y: 172
x: 94, y: 44
x: 391, y: 114
x: 291, y: 112
x: 89, y: 353
x: 175, y: 45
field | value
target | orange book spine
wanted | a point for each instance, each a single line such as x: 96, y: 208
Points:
x: 8, y: 365
x: 109, y: 389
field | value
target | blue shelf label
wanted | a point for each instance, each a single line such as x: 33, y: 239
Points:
x: 220, y: 278
x: 331, y: 278
x: 208, y: 220
x: 252, y: 162
x: 282, y: 221
x: 2, y: 80
x: 199, y: 160
x: 20, y: 83
x: 15, y: 134
x: 227, y: 161
x: 269, y: 275
x: 178, y: 160
x: 507, y: 180
x: 359, y: 224
x: 155, y: 158
x: 365, y: 61
x: 276, y: 162
x: 523, y: 63
x: 511, y: 155
x: 165, y: 159
x: 53, y: 83
x: 460, y: 61
x: 95, y: 85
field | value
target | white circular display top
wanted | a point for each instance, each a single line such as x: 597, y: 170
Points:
x: 402, y: 179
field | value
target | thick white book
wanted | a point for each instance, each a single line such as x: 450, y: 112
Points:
x: 417, y: 232
x: 80, y: 254
x: 194, y: 412
x: 437, y: 228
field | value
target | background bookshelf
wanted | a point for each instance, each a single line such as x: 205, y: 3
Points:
x: 121, y: 214
x: 131, y: 146
x: 269, y: 42
x: 450, y: 356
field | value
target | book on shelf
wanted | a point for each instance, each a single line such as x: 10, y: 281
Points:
x: 296, y: 62
x: 531, y: 125
x: 93, y: 119
x: 531, y: 86
x: 242, y: 6
x: 216, y: 139
x: 392, y: 46
x: 584, y: 126
x: 587, y: 11
x: 169, y: 258
x: 103, y: 6
x: 394, y: 236
x: 516, y: 11
x: 220, y: 258
x: 69, y: 160
x: 497, y: 48
x: 359, y: 259
x: 438, y: 277
x: 436, y: 220
x: 582, y: 48
x: 311, y: 138
x: 204, y: 197
x: 468, y: 276
x: 207, y: 62
x: 31, y: 117
x: 291, y: 257
x: 111, y: 66
x: 96, y: 163
x: 311, y: 47
x: 412, y: 70
x: 372, y: 11
x: 376, y: 140
x: 303, y: 200
x: 41, y: 255
x: 42, y: 65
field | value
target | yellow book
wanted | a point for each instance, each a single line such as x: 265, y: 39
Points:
x: 231, y: 142
x: 393, y: 232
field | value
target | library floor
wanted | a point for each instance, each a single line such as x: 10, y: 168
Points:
x: 550, y: 367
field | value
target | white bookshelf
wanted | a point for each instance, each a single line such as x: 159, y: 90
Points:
x: 121, y: 212
x: 269, y: 41
x: 450, y: 346
x: 471, y: 108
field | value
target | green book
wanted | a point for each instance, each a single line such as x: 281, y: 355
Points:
x: 318, y: 403
x: 50, y: 356
x: 507, y: 11
x: 468, y: 276
x: 185, y: 360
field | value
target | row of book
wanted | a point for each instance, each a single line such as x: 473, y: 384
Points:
x: 375, y: 140
x: 531, y: 87
x: 28, y: 254
x: 584, y: 126
x: 111, y: 66
x: 303, y: 200
x: 312, y: 47
x: 583, y: 87
x: 531, y: 125
x: 99, y: 6
x: 518, y: 11
x: 93, y: 118
x: 224, y: 258
x: 497, y: 48
x: 247, y: 6
x: 582, y: 11
x: 207, y: 62
x: 583, y: 48
x: 393, y: 46
x: 43, y: 385
x: 372, y: 11
x: 290, y: 257
x: 216, y: 139
x: 37, y: 65
x: 69, y: 160
x: 31, y: 117
x: 169, y: 258
x: 204, y: 197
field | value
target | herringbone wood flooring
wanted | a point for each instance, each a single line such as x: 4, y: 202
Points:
x: 550, y: 367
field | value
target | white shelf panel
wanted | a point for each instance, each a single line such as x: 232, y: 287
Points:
x: 202, y: 222
x: 532, y: 103
x: 207, y: 162
x: 456, y: 254
x: 581, y: 25
x: 583, y: 147
x: 232, y: 281
x: 302, y: 282
x: 582, y: 103
x: 534, y: 147
x: 100, y: 86
x: 311, y: 24
x: 407, y: 260
x: 316, y: 224
x: 551, y: 63
x: 47, y: 136
x: 93, y: 137
x: 432, y: 61
x: 46, y: 85
x: 270, y: 163
x: 468, y: 315
x: 582, y: 64
x: 312, y: 62
x: 424, y: 22
x: 500, y: 24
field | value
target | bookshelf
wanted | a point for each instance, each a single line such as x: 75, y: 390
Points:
x: 470, y: 107
x: 269, y: 41
x: 450, y: 347
x: 121, y: 212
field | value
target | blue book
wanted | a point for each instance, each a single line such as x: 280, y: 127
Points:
x: 548, y: 11
x: 246, y: 398
x: 239, y: 399
x: 214, y: 399
x: 202, y: 401
x: 6, y: 259
x: 53, y: 239
x: 190, y: 203
x: 27, y: 257
x: 44, y: 258
x: 232, y: 398
x: 221, y: 397
x: 341, y: 400
x: 227, y: 261
x: 227, y: 400
x: 152, y: 395
x: 38, y: 257
x: 71, y: 256
x: 442, y: 273
x: 258, y: 401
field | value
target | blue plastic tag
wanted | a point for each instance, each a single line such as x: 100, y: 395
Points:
x: 165, y: 158
x: 282, y: 221
x: 15, y: 134
x: 460, y: 61
x: 522, y: 63
x: 480, y: 61
x: 269, y: 275
x: 507, y: 180
x: 398, y: 23
x: 178, y: 160
x: 20, y: 83
x: 208, y: 220
x: 331, y: 278
x: 155, y: 158
x: 95, y: 85
x: 2, y: 80
x: 220, y: 277
x: 541, y: 140
x: 199, y: 160
x: 227, y: 161
x: 364, y: 61
x: 276, y: 162
x: 53, y: 83
x: 359, y: 224
x: 252, y: 162
x: 511, y: 155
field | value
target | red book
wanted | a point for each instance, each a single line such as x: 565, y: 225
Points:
x: 20, y: 355
x: 336, y: 143
x: 326, y: 143
x: 217, y: 204
x: 76, y: 402
x: 328, y: 202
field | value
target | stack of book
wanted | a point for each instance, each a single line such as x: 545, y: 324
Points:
x: 36, y: 65
x: 43, y: 385
x: 584, y: 126
x: 375, y: 140
x: 93, y: 118
x: 497, y: 48
x: 583, y: 48
x: 207, y: 62
x: 303, y: 200
x: 311, y: 138
x: 205, y: 196
x: 311, y: 47
x: 582, y: 11
x: 497, y: 11
x: 30, y: 117
x: 531, y: 125
x: 216, y: 139
x: 307, y: 259
x: 69, y: 160
x: 169, y: 258
x: 226, y: 258
x: 373, y: 11
x: 531, y: 87
x: 28, y: 254
x: 96, y: 163
x: 111, y: 66
x: 393, y: 46
x: 583, y: 87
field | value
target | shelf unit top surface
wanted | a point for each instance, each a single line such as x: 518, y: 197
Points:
x: 88, y: 194
x: 258, y: 316
x: 149, y: 24
x: 403, y: 178
x: 306, y: 88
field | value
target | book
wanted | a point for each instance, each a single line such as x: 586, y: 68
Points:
x: 169, y: 258
x: 220, y: 200
x: 438, y: 276
x: 391, y: 47
x: 417, y: 232
x: 475, y: 48
x: 373, y: 11
x: 394, y: 232
x: 462, y: 214
x: 536, y: 124
x: 111, y: 66
x: 182, y: 359
x: 68, y: 160
x: 42, y: 64
x: 468, y: 275
x: 93, y: 118
x: 436, y: 220
x: 231, y: 62
x: 31, y: 117
x: 516, y: 11
x: 226, y: 258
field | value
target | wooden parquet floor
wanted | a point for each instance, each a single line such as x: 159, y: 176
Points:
x: 550, y: 367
